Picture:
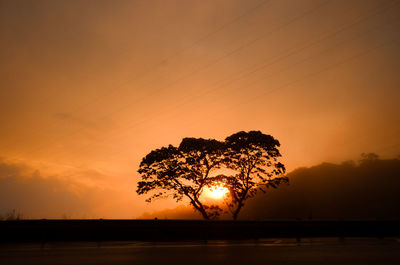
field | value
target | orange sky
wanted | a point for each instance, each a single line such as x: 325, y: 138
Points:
x: 88, y: 88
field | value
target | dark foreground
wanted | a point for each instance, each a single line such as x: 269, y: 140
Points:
x: 177, y: 230
x: 326, y: 251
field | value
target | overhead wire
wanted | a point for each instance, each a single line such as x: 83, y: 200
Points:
x: 224, y: 56
x: 161, y: 62
x: 331, y: 66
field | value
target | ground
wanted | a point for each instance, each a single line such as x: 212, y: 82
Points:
x: 325, y: 251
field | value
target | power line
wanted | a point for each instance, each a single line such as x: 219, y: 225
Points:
x: 258, y: 96
x: 230, y: 53
x: 176, y: 54
x: 290, y: 52
x: 357, y: 55
x: 324, y: 69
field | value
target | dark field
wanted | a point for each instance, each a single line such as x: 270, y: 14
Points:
x: 308, y: 251
x: 198, y: 242
x: 177, y: 230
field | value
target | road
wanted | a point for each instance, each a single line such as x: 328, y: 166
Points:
x: 321, y: 251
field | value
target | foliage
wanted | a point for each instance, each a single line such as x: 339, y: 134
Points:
x: 368, y: 158
x: 253, y: 156
x: 184, y: 171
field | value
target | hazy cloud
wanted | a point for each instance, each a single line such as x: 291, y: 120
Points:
x: 36, y: 196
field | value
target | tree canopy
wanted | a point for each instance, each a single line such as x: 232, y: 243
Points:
x: 184, y: 171
x: 253, y: 157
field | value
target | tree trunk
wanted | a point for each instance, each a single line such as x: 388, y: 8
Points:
x: 239, y: 207
x: 236, y: 213
x: 204, y: 214
x: 201, y: 210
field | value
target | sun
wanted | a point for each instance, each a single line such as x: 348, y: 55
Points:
x: 216, y: 192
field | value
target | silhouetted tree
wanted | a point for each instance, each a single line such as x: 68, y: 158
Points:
x: 185, y: 171
x: 253, y: 157
x: 368, y: 157
x: 182, y: 172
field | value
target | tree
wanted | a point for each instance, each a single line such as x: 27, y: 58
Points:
x: 182, y: 172
x: 369, y: 158
x: 253, y: 157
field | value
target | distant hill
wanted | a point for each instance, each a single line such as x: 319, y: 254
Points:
x: 365, y: 190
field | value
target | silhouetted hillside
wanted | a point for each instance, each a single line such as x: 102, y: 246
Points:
x: 364, y: 190
x: 368, y: 190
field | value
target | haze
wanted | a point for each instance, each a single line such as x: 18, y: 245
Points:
x: 88, y: 88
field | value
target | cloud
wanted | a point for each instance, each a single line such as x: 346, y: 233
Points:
x: 36, y: 196
x: 11, y: 169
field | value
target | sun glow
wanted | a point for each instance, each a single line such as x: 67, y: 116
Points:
x: 216, y: 192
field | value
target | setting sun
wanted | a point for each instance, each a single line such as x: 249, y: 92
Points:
x: 216, y: 192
